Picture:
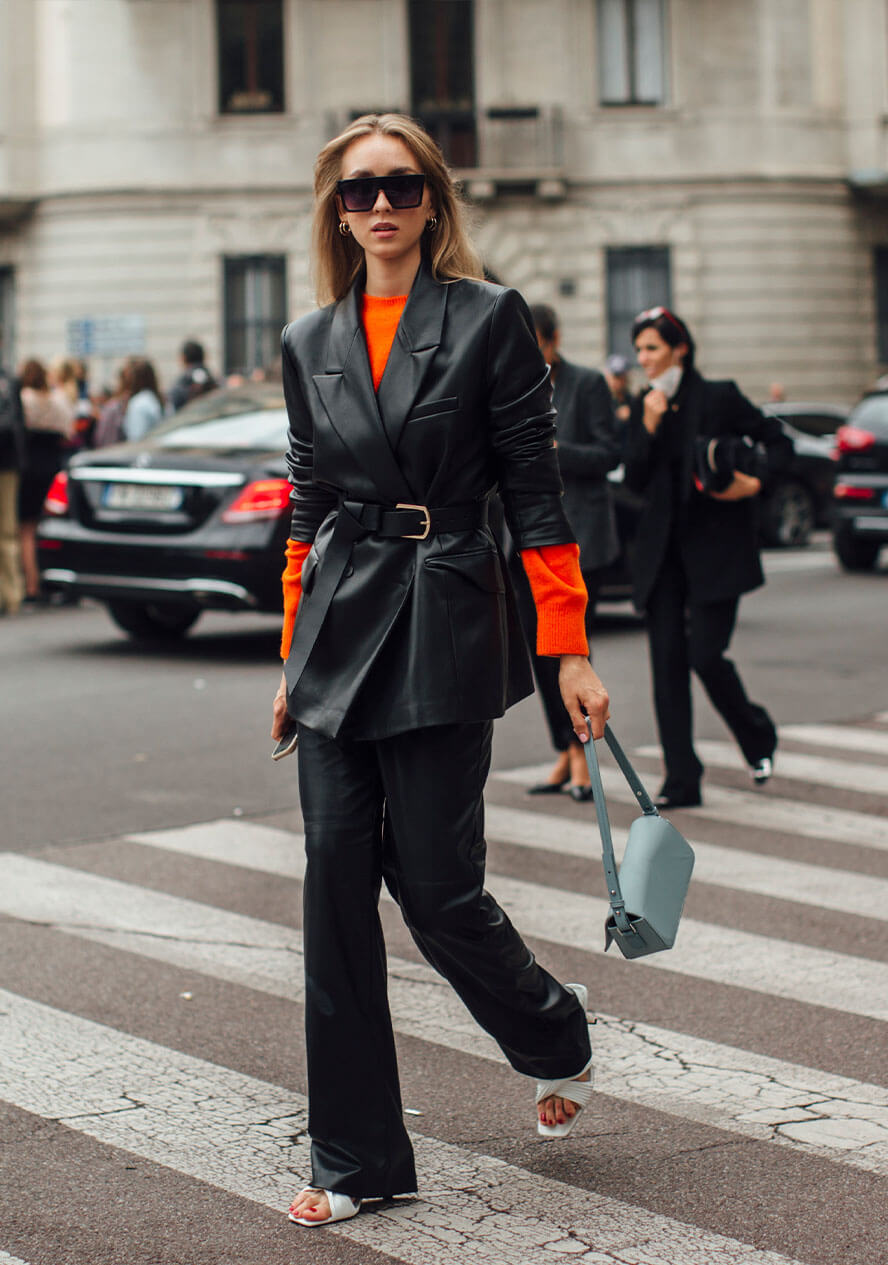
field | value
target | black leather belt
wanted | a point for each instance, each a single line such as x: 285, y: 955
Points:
x: 357, y: 519
x: 416, y: 522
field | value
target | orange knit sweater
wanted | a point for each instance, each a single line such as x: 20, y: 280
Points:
x: 553, y: 570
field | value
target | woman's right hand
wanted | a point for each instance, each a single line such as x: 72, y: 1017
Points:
x: 655, y: 405
x: 280, y: 715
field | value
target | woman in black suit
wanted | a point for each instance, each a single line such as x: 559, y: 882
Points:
x: 699, y: 452
x: 411, y: 395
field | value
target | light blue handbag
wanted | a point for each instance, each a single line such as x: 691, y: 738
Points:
x: 648, y: 894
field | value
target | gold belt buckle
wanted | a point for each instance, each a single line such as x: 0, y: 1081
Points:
x: 424, y: 510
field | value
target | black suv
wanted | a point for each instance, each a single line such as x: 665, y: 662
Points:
x: 860, y: 494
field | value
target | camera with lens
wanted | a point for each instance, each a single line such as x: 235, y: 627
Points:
x: 717, y: 459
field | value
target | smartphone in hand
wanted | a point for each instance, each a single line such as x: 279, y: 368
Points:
x: 287, y: 744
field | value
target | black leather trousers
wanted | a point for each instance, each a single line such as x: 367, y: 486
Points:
x: 407, y: 809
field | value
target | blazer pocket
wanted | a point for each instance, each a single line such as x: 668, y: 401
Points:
x: 432, y: 408
x: 481, y: 567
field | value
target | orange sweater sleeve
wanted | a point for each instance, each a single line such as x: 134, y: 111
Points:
x: 559, y: 595
x: 297, y: 551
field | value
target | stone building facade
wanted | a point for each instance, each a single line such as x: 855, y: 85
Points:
x: 728, y: 157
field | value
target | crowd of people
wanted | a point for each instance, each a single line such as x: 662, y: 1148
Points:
x: 48, y: 412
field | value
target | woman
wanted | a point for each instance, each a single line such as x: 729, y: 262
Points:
x: 698, y: 451
x: 144, y: 408
x: 49, y: 424
x: 410, y: 395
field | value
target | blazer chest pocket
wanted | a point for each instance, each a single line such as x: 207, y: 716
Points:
x: 433, y: 408
x: 481, y: 567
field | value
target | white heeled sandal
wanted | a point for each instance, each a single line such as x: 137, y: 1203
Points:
x: 342, y: 1208
x: 578, y: 1092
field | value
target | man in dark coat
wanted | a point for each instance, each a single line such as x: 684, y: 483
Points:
x: 588, y: 444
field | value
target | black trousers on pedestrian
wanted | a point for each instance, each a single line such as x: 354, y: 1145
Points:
x: 685, y: 636
x: 545, y: 667
x: 407, y: 809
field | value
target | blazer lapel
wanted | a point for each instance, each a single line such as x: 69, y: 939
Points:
x: 346, y: 391
x: 417, y: 339
x: 693, y: 416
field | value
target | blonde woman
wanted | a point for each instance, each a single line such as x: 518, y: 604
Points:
x: 415, y: 391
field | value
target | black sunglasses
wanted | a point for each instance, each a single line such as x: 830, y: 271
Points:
x: 402, y: 191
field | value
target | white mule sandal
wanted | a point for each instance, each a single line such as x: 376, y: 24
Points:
x: 342, y: 1208
x: 574, y: 1091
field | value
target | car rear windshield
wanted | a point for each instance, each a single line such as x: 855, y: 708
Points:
x: 261, y: 430
x: 871, y: 414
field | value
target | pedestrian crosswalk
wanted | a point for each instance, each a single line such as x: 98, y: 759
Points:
x: 749, y: 1060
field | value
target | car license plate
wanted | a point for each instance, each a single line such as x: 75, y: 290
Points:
x: 141, y: 496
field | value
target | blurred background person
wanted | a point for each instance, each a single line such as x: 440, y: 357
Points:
x: 144, y: 408
x: 698, y: 452
x: 194, y: 380
x: 616, y: 374
x: 12, y: 453
x: 49, y: 424
x: 588, y: 447
x: 109, y: 427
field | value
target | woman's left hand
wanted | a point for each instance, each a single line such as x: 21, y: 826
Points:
x: 743, y: 486
x: 583, y: 695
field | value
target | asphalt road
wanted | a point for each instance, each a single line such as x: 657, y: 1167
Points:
x: 151, y: 1072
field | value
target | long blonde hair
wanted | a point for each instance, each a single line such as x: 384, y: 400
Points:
x: 338, y: 259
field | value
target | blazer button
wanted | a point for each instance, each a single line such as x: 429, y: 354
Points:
x: 349, y: 571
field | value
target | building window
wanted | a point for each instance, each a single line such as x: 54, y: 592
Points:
x: 631, y: 52
x: 255, y: 311
x: 638, y: 277
x: 881, y: 278
x: 442, y: 75
x: 7, y: 319
x: 251, y: 56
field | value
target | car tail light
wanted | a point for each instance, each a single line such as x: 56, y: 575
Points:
x: 264, y: 498
x: 853, y: 492
x: 57, y: 497
x: 853, y: 439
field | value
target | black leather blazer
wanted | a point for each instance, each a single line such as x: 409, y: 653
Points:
x: 406, y: 633
x: 588, y: 447
x: 718, y: 540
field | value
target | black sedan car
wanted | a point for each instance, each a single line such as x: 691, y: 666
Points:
x: 860, y: 495
x: 194, y: 517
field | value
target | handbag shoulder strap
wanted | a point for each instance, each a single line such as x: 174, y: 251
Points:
x: 644, y: 800
x: 615, y: 895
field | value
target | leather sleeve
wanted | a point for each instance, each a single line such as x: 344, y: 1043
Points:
x: 522, y: 428
x: 311, y: 503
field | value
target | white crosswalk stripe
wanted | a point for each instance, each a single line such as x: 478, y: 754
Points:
x: 839, y: 737
x: 842, y: 774
x: 731, y: 867
x: 761, y: 810
x: 238, y: 1134
x: 247, y: 1137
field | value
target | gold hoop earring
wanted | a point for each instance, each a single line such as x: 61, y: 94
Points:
x: 344, y: 228
x: 432, y: 224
